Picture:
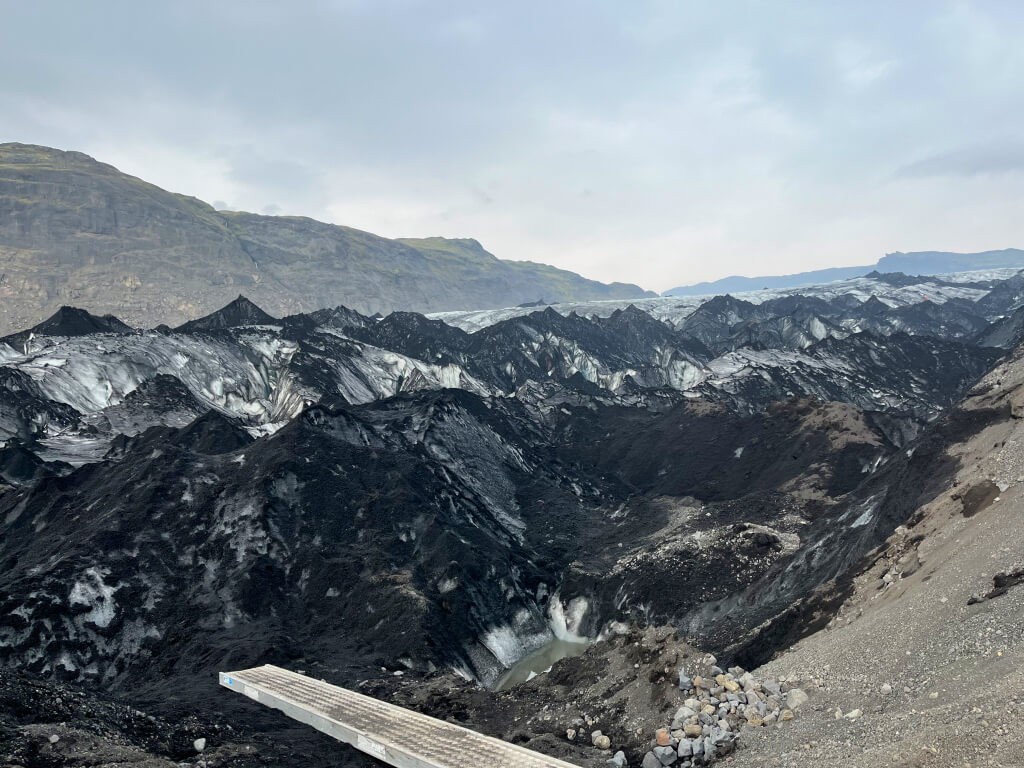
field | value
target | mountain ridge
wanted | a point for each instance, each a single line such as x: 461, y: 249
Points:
x: 913, y: 263
x: 77, y: 231
x: 363, y: 497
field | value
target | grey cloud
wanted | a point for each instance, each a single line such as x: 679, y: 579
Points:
x: 968, y: 161
x: 734, y: 137
x: 256, y: 169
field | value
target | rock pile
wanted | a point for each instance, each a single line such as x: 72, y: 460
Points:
x: 718, y: 705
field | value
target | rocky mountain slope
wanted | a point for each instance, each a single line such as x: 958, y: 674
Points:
x: 77, y: 231
x: 921, y: 664
x: 345, y: 495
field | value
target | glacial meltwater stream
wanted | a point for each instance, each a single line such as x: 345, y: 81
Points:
x: 539, y: 662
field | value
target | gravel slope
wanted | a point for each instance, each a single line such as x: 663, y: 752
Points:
x: 914, y: 623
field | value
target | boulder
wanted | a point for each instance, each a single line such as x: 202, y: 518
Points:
x: 795, y: 698
x: 665, y: 755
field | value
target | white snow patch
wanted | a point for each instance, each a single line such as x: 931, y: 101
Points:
x: 90, y: 591
x: 446, y: 585
x: 566, y: 619
x: 866, y: 516
x: 509, y: 643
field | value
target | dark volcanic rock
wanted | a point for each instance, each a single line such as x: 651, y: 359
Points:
x: 1004, y: 298
x: 70, y: 321
x: 340, y: 493
x: 424, y: 500
x: 25, y: 413
x: 239, y: 312
x: 19, y: 466
x: 1006, y: 332
x: 45, y: 724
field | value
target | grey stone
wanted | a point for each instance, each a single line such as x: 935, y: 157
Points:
x: 685, y: 748
x: 199, y: 744
x: 650, y: 761
x: 724, y: 747
x: 710, y: 750
x: 795, y: 698
x: 665, y: 755
x: 772, y: 688
x: 618, y: 760
x: 684, y: 712
x: 685, y: 682
x: 720, y: 736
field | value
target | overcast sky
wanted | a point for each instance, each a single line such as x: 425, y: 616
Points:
x: 661, y: 143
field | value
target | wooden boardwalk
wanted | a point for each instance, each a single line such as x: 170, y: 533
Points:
x: 394, y: 735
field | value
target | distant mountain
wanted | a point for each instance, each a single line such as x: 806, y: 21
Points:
x: 939, y: 262
x: 77, y: 231
x: 917, y: 263
x: 738, y: 284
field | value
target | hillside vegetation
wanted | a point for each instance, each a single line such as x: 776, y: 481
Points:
x: 77, y: 231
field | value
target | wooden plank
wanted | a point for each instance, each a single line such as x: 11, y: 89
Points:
x: 392, y: 734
